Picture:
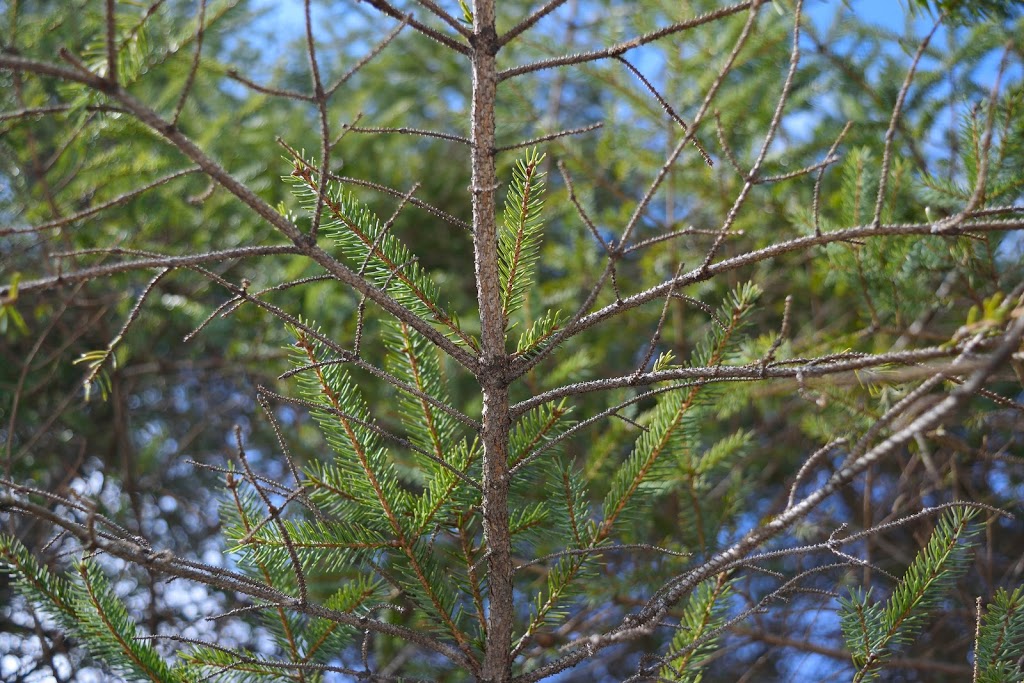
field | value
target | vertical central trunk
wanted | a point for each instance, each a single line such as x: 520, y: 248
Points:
x: 485, y: 181
x: 497, y: 666
x: 497, y: 659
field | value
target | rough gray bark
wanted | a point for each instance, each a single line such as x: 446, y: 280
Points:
x: 491, y: 374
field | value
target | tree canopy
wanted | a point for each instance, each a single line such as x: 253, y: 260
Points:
x: 577, y: 341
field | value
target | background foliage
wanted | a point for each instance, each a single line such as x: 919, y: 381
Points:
x: 155, y: 450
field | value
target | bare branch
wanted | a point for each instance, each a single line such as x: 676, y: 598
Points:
x: 91, y: 211
x: 251, y: 199
x: 190, y: 79
x: 797, y: 244
x: 462, y: 140
x: 523, y: 367
x: 551, y: 136
x: 385, y: 7
x: 773, y: 127
x: 897, y: 110
x: 111, y: 42
x: 667, y: 107
x: 816, y: 201
x: 813, y: 368
x: 275, y: 92
x: 97, y: 272
x: 320, y: 98
x: 429, y: 208
x: 527, y: 23
x: 447, y: 18
x: 628, y: 45
x: 369, y: 56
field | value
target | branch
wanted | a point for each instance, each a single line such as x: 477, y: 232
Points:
x: 447, y: 18
x: 752, y: 177
x: 419, y: 203
x: 622, y: 48
x: 550, y: 136
x: 890, y: 134
x: 369, y: 56
x: 494, y: 363
x: 166, y: 563
x: 321, y: 107
x: 371, y: 426
x: 346, y: 356
x: 609, y: 272
x: 461, y: 139
x: 527, y: 23
x: 46, y: 283
x: 815, y: 367
x: 387, y: 8
x: 184, y: 144
x: 116, y: 201
x: 796, y: 244
x: 643, y: 623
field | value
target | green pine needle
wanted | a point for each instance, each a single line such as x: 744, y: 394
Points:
x: 1001, y: 639
x: 706, y: 611
x: 872, y: 630
x: 520, y: 232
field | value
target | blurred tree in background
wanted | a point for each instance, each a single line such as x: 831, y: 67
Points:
x: 777, y: 306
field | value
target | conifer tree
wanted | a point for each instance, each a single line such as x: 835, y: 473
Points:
x: 580, y: 341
